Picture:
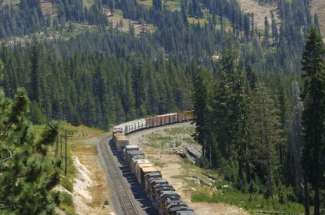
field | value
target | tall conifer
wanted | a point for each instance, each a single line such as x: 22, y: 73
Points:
x: 314, y: 114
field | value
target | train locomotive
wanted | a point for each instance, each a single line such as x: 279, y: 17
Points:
x: 163, y: 195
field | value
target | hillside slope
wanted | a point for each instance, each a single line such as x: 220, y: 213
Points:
x: 318, y: 6
x: 259, y: 11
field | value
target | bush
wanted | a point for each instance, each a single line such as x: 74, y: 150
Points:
x: 66, y: 198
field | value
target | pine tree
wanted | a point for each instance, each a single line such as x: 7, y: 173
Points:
x: 266, y: 38
x: 157, y: 5
x: 28, y: 173
x: 275, y: 33
x: 314, y: 114
x: 265, y: 135
x: 35, y: 73
x: 200, y: 108
x: 295, y: 144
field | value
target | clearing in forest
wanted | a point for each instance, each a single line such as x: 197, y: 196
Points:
x: 318, y: 6
x: 122, y: 24
x: 48, y: 8
x: 259, y: 11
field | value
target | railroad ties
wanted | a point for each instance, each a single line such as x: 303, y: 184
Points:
x: 119, y: 185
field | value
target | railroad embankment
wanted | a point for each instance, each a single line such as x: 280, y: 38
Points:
x: 90, y: 191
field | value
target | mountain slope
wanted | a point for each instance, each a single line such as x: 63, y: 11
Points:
x: 259, y: 11
x: 318, y: 6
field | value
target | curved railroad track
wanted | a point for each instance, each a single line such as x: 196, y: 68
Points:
x: 122, y: 197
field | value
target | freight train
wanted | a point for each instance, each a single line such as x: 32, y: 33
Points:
x: 162, y: 194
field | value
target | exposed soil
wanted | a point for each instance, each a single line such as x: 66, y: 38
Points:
x: 119, y: 22
x: 91, y: 194
x: 48, y: 9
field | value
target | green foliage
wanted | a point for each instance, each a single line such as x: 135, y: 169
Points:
x: 252, y: 202
x: 65, y: 203
x: 28, y: 173
x: 103, y: 76
x: 313, y: 118
x: 244, y: 129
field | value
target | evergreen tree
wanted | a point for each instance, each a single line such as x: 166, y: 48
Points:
x: 157, y: 5
x: 265, y: 135
x: 28, y: 173
x: 266, y: 37
x: 35, y: 73
x: 314, y: 114
x: 275, y: 33
x: 295, y: 144
x: 200, y: 108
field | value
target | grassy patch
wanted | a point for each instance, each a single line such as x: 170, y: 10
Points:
x: 66, y: 203
x: 159, y: 141
x: 67, y: 32
x: 251, y: 202
x: 146, y: 3
x: 10, y: 2
x: 173, y: 5
x: 197, y: 21
x: 122, y: 24
x: 88, y: 3
x: 170, y: 137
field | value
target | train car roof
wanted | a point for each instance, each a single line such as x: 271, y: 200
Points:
x: 144, y: 165
x: 131, y: 146
x: 161, y: 185
x: 175, y: 203
x: 167, y: 114
x: 163, y: 188
x: 157, y: 180
x: 153, y: 175
x: 137, y: 157
x: 143, y: 120
x: 169, y: 194
x: 189, y: 211
x: 179, y: 208
x: 140, y: 161
x: 134, y: 152
x: 149, y: 169
x: 162, y: 115
x: 121, y: 137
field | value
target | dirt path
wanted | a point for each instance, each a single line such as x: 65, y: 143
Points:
x: 91, y: 194
x: 173, y: 169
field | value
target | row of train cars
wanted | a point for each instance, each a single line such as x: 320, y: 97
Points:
x: 163, y: 196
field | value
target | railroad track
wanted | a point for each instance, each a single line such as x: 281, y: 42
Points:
x: 124, y: 199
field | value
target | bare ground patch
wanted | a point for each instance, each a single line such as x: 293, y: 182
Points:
x: 48, y: 8
x: 259, y: 11
x: 117, y: 21
x: 90, y: 188
x: 91, y: 193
